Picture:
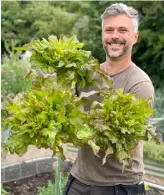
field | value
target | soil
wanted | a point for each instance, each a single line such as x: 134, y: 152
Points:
x: 29, y: 186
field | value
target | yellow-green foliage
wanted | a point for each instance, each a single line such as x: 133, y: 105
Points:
x: 154, y: 151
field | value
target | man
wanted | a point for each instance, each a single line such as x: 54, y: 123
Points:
x: 88, y: 175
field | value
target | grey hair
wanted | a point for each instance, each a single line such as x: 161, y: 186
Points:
x: 120, y: 8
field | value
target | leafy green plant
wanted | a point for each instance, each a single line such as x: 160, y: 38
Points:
x: 44, y: 118
x: 3, y: 191
x: 59, y: 185
x: 49, y: 114
x: 120, y: 122
x: 64, y: 180
x: 47, y: 190
x: 147, y: 187
x: 50, y: 188
x: 66, y: 58
x: 153, y: 151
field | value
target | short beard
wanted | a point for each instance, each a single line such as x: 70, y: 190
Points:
x: 115, y: 56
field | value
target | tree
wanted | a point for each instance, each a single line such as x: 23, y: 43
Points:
x: 148, y: 53
x: 24, y: 21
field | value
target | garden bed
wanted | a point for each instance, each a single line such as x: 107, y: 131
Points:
x: 30, y: 185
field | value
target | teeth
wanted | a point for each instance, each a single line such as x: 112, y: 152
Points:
x: 115, y: 45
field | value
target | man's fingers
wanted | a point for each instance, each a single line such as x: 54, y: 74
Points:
x: 134, y: 149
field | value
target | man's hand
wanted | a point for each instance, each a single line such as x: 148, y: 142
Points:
x: 134, y: 149
x: 101, y: 152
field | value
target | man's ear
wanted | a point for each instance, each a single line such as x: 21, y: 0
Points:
x: 136, y: 35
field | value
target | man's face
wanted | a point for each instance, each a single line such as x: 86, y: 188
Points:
x: 118, y: 36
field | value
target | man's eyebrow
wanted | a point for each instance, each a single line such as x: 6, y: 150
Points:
x: 117, y: 27
x: 123, y: 27
x: 108, y: 27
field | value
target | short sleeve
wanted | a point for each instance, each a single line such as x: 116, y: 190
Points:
x: 144, y: 90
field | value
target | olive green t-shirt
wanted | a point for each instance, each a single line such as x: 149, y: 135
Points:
x: 87, y: 167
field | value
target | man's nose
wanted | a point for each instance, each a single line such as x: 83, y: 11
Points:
x: 115, y: 35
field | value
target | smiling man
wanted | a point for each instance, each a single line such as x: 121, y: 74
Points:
x: 118, y: 35
x: 88, y: 175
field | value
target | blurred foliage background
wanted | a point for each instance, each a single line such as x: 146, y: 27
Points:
x: 23, y: 21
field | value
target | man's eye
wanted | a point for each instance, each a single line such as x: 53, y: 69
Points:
x: 123, y: 30
x: 109, y: 30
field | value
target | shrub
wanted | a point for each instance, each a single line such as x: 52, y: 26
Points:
x: 13, y: 71
x: 159, y: 102
x: 154, y: 151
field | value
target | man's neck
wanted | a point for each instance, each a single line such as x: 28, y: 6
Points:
x: 112, y: 66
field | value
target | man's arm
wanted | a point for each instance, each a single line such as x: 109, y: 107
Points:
x: 144, y: 90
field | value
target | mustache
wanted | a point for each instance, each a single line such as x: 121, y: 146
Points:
x: 116, y: 41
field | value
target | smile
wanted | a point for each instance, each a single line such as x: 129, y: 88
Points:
x: 116, y: 44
